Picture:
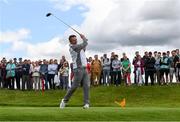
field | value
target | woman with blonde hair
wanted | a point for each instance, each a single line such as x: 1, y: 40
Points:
x: 64, y: 72
x: 36, y: 75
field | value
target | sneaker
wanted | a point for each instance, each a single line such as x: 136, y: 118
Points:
x: 86, y: 106
x: 62, y: 104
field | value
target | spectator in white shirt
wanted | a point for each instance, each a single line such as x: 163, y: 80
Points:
x: 52, y: 71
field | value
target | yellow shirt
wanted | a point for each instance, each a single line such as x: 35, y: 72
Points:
x: 96, y: 66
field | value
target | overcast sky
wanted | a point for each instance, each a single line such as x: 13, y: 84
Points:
x: 110, y: 25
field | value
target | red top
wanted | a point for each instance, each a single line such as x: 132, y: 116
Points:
x: 88, y: 67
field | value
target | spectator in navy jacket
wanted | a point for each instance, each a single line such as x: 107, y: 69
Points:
x: 26, y: 82
x: 18, y: 73
x: 44, y: 72
x: 149, y: 68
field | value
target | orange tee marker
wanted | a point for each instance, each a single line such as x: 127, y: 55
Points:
x: 121, y: 103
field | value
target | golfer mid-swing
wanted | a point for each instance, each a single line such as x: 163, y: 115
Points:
x: 77, y: 52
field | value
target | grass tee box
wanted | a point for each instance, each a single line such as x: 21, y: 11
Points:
x: 143, y: 103
x: 92, y: 114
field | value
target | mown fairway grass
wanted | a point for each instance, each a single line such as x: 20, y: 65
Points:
x: 92, y: 114
x: 143, y: 103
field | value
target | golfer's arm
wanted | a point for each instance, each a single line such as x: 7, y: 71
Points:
x: 81, y: 46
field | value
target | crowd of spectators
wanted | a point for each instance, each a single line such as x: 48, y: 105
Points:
x: 24, y: 74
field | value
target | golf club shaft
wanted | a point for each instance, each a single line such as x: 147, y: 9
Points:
x: 66, y: 24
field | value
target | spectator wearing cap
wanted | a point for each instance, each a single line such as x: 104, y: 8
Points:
x: 18, y: 73
x: 149, y: 68
x: 10, y: 68
x: 26, y: 82
x: 165, y: 63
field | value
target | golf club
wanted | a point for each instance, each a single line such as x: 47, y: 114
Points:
x: 50, y: 14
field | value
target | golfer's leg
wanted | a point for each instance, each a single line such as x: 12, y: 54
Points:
x: 86, y: 86
x: 77, y: 78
